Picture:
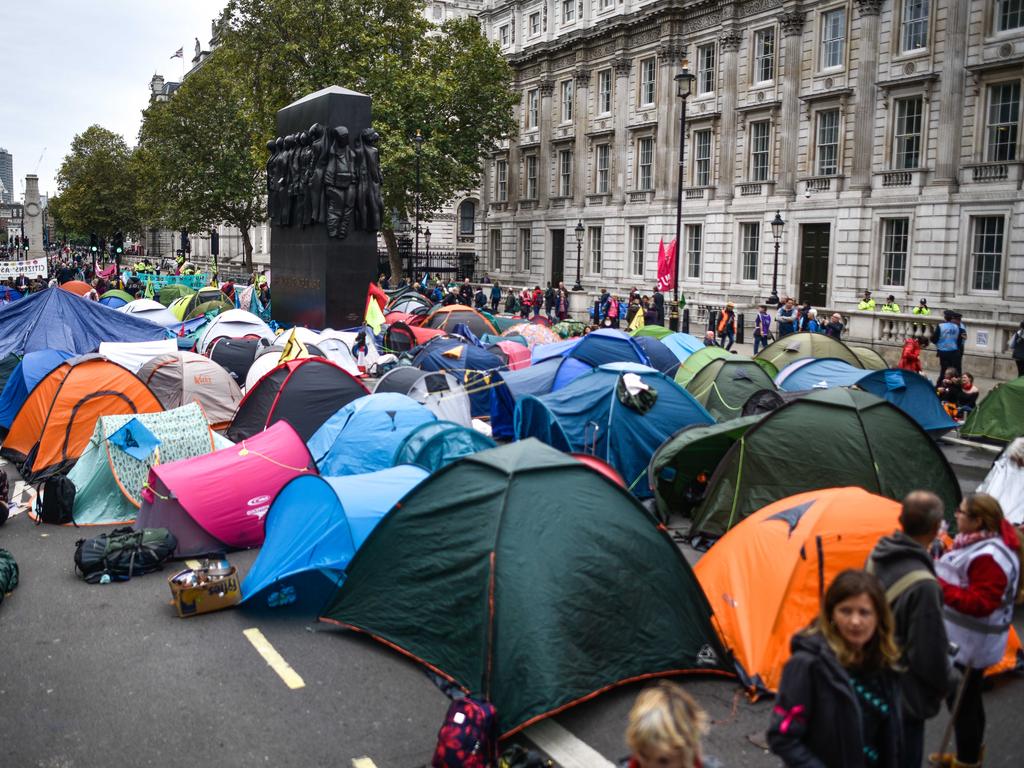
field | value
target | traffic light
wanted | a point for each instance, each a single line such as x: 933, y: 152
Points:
x: 118, y: 243
x: 214, y: 243
x: 24, y: 243
x: 93, y: 242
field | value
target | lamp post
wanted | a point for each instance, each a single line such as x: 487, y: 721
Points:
x: 777, y: 225
x: 684, y: 86
x: 426, y: 242
x: 579, y: 250
x: 419, y: 142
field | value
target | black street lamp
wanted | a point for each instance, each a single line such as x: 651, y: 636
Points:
x: 579, y: 250
x: 419, y: 142
x: 426, y: 241
x: 777, y: 225
x: 684, y: 87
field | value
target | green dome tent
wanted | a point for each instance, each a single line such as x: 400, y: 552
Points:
x: 832, y: 438
x: 870, y: 359
x: 172, y: 292
x: 531, y: 606
x: 657, y: 331
x: 724, y: 385
x: 692, y: 365
x: 797, y: 346
x: 999, y: 416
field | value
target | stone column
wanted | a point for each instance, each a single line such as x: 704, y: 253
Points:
x: 951, y: 95
x: 547, y: 87
x: 867, y: 75
x: 579, y: 173
x: 620, y: 149
x: 792, y: 24
x: 32, y: 216
x: 667, y: 143
x: 730, y: 44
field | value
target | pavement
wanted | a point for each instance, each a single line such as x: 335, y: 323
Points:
x: 101, y: 675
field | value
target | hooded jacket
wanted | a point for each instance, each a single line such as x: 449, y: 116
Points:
x: 816, y: 721
x: 920, y: 630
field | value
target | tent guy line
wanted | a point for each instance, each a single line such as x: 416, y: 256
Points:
x: 273, y: 658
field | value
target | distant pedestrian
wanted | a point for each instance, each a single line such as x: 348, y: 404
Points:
x: 838, y: 702
x: 867, y: 304
x: 727, y: 326
x: 550, y: 302
x: 709, y: 339
x: 903, y: 564
x: 834, y: 327
x: 922, y: 308
x: 658, y: 302
x: 762, y: 328
x: 479, y: 299
x: 1017, y: 345
x: 785, y: 318
x: 495, y: 296
x: 665, y: 728
x: 811, y: 321
x: 948, y: 344
x: 466, y: 293
x: 891, y: 305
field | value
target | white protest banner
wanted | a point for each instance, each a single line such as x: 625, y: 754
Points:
x: 28, y: 267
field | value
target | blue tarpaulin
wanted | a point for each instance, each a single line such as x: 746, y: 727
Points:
x: 58, y: 319
x: 313, y: 528
x: 135, y: 440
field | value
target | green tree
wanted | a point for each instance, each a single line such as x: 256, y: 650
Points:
x: 454, y: 87
x: 196, y: 157
x: 97, y: 188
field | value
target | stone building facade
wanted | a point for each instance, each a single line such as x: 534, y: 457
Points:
x: 886, y: 132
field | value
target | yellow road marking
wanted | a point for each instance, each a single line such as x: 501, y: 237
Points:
x: 363, y: 762
x: 273, y: 658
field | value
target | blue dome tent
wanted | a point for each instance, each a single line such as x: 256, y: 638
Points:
x: 437, y: 444
x: 30, y: 371
x: 539, y: 379
x: 472, y: 366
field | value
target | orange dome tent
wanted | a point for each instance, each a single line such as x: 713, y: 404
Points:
x: 55, y: 422
x: 76, y: 287
x: 765, y: 577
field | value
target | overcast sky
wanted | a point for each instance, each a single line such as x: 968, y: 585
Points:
x: 68, y: 64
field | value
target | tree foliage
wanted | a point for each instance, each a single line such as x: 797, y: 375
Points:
x: 454, y: 87
x: 97, y: 189
x: 196, y: 156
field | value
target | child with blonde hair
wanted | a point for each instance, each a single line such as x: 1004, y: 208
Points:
x: 665, y: 726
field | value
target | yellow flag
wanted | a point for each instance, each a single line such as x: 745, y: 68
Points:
x: 374, y: 315
x: 293, y: 349
x: 638, y: 320
x: 149, y: 289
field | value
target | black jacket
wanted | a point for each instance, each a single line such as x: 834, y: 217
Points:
x: 816, y: 720
x: 920, y: 630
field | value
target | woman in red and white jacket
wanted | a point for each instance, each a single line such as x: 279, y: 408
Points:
x: 980, y: 579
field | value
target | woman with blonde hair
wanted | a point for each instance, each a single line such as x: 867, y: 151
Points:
x: 838, y: 702
x: 980, y: 580
x: 665, y: 726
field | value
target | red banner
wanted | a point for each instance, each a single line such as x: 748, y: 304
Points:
x: 666, y: 265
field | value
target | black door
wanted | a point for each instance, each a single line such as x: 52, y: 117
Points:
x: 557, y: 256
x: 814, y: 241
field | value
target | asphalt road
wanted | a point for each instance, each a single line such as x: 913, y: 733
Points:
x: 95, y: 675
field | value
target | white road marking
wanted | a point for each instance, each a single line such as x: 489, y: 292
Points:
x: 363, y: 762
x: 274, y: 659
x: 564, y: 748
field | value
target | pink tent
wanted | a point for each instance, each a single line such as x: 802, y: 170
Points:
x: 217, y: 502
x: 518, y: 355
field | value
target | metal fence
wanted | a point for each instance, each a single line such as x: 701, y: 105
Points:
x: 456, y: 265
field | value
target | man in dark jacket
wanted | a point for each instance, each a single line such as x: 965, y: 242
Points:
x: 903, y: 565
x: 658, y: 302
x: 466, y: 293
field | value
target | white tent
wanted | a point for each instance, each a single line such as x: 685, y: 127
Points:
x: 135, y: 354
x: 233, y: 324
x: 151, y: 310
x: 1005, y: 481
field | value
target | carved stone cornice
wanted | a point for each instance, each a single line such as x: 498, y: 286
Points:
x: 792, y: 23
x: 547, y: 87
x: 870, y: 7
x: 582, y: 76
x: 622, y: 66
x: 671, y: 52
x: 730, y: 41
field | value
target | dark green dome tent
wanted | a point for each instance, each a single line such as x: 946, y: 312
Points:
x: 797, y: 346
x: 724, y: 385
x: 533, y: 606
x: 999, y: 417
x: 827, y: 439
x: 693, y: 364
x: 869, y: 359
x: 172, y: 292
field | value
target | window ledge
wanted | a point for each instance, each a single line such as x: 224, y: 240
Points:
x: 1006, y: 172
x: 900, y: 179
x: 640, y: 196
x: 699, y: 193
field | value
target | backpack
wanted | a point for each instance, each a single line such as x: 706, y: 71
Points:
x: 5, y: 497
x: 468, y: 737
x: 56, y: 502
x: 123, y: 553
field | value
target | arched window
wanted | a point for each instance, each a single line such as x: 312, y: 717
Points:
x: 467, y: 218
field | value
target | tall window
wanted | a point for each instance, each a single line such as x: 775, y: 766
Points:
x: 604, y: 92
x: 647, y: 80
x: 531, y: 108
x: 596, y: 250
x: 833, y: 38
x: 705, y: 68
x: 534, y: 24
x: 636, y: 250
x: 694, y: 240
x: 567, y: 93
x: 565, y: 173
x: 914, y: 25
x: 606, y: 4
x: 907, y: 136
x: 986, y: 252
x: 1003, y: 122
x: 568, y: 11
x: 503, y: 35
x: 760, y: 138
x: 531, y: 177
x: 467, y: 218
x: 1009, y: 14
x: 501, y: 181
x: 750, y: 243
x: 702, y: 158
x: 496, y: 249
x: 764, y: 55
x: 645, y: 163
x: 601, y: 163
x: 895, y: 243
x: 524, y: 244
x: 827, y: 149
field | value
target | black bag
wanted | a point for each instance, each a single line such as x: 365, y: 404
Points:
x: 5, y: 497
x: 123, y: 553
x: 56, y: 502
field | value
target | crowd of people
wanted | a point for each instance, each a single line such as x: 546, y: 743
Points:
x: 915, y: 629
